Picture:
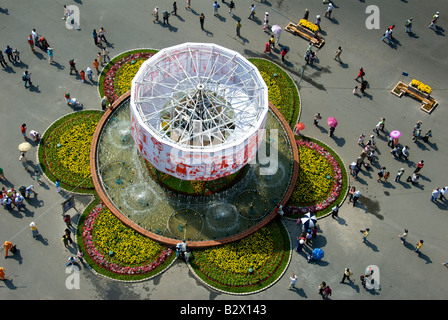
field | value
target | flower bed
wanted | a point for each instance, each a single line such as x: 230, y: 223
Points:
x: 117, y: 76
x: 308, y: 25
x: 322, y: 181
x: 421, y: 86
x: 247, y: 265
x: 118, y: 249
x: 281, y: 89
x: 65, y: 148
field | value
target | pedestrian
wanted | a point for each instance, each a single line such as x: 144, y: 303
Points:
x: 37, y: 177
x: 308, y: 236
x: 89, y: 74
x: 252, y: 12
x: 65, y: 240
x: 2, y: 273
x: 174, y: 9
x: 24, y: 160
x: 50, y: 52
x: 408, y: 25
x: 418, y: 246
x: 306, y: 15
x: 386, y: 35
x: 58, y: 185
x: 2, y: 174
x: 26, y: 77
x: 66, y: 13
x: 327, y: 292
x: 102, y: 33
x: 293, y: 278
x: 317, y: 118
x: 99, y: 41
x: 414, y: 178
x: 361, y: 74
x: 347, y: 274
x: 68, y: 221
x: 442, y: 193
x: 16, y: 54
x: 238, y: 28
x: 381, y: 174
x: 7, y: 246
x: 312, y: 57
x: 23, y: 130
x: 19, y: 200
x: 155, y: 13
x: 215, y: 8
x: 105, y: 54
x: 29, y: 191
x: 321, y: 287
x: 390, y: 142
x: 404, y: 153
x: 272, y: 41
x: 231, y: 7
x: 329, y: 11
x: 351, y: 194
x: 188, y: 5
x: 432, y: 25
x: 96, y: 65
x: 419, y: 166
x: 70, y: 261
x: 386, y: 176
x: 266, y: 21
x: 356, y: 196
x: 72, y: 66
x: 399, y: 174
x: 283, y: 53
x: 83, y: 76
x: 104, y: 103
x: 427, y: 136
x: 34, y: 230
x: 317, y: 23
x: 363, y: 281
x: 202, y: 20
x: 99, y: 57
x: 435, y: 194
x: 267, y: 47
x: 314, y: 231
x: 7, y: 202
x: 8, y: 52
x: 68, y: 234
x: 95, y: 37
x: 338, y: 57
x: 396, y: 152
x: 334, y: 212
x: 361, y: 139
x: 403, y: 236
x: 363, y: 87
x: 332, y: 131
x: 165, y: 17
x: 300, y: 243
x: 80, y: 256
x: 31, y: 43
x: 365, y: 234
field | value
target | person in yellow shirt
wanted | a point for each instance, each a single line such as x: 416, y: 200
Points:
x: 365, y: 234
x: 8, y: 246
x: 418, y: 246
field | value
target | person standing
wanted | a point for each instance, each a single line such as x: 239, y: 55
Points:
x: 67, y: 220
x: 408, y: 25
x: 322, y: 288
x: 283, y: 53
x: 31, y: 43
x: 399, y: 174
x: 215, y: 8
x: 356, y: 196
x: 165, y: 17
x: 2, y: 60
x: 317, y: 23
x: 381, y: 174
x: 155, y: 13
x: 334, y: 212
x: 102, y: 33
x: 418, y: 246
x: 365, y: 234
x: 267, y: 47
x: 58, y: 185
x: 105, y: 54
x: 174, y: 8
x: 403, y: 236
x: 7, y: 246
x: 317, y: 118
x: 95, y: 37
x: 89, y: 74
x: 238, y: 28
x: 361, y: 74
x: 50, y: 55
x: 7, y: 202
x: 96, y: 65
x: 300, y: 243
x: 293, y: 278
x: 80, y: 256
x: 435, y: 194
x: 420, y: 165
x: 65, y: 240
x: 83, y: 76
x: 347, y: 274
x: 23, y: 130
x: 338, y: 54
x: 202, y: 20
x: 266, y: 21
x: 2, y: 273
x: 19, y: 201
x: 34, y: 230
x: 306, y: 15
x: 72, y: 66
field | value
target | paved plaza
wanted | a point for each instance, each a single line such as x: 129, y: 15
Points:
x: 38, y: 270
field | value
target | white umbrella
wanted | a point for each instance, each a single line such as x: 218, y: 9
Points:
x: 277, y: 30
x: 309, y: 221
x: 24, y: 146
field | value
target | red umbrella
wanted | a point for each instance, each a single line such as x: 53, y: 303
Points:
x: 332, y: 122
x: 300, y: 126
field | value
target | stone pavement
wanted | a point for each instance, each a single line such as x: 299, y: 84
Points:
x: 38, y: 270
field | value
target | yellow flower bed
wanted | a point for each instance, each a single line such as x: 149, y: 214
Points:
x: 421, y: 86
x: 124, y: 76
x: 308, y: 25
x: 274, y: 92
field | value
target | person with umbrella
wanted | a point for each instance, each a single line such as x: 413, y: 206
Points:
x: 332, y: 122
x: 277, y: 30
x: 308, y: 221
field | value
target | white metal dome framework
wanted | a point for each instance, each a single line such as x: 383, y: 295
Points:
x: 197, y: 110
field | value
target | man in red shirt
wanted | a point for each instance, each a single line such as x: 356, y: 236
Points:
x: 23, y: 129
x: 419, y: 166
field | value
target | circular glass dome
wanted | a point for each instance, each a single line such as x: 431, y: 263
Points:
x: 197, y: 110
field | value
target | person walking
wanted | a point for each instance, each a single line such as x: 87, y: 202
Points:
x: 283, y: 53
x: 50, y: 52
x: 408, y: 25
x: 442, y: 193
x: 381, y: 174
x: 65, y: 240
x: 399, y: 174
x: 347, y: 274
x: 96, y: 65
x: 34, y: 230
x: 31, y: 43
x: 68, y: 221
x: 329, y: 11
x: 327, y: 292
x: 215, y: 8
x: 332, y: 131
x: 7, y: 246
x: 155, y: 13
x: 386, y: 175
x: 24, y: 161
x: 68, y: 233
x: 337, y: 56
x: 317, y: 23
x: 365, y: 234
x: 58, y: 185
x: 432, y: 25
x: 188, y: 5
x: 201, y: 21
x: 361, y: 74
x: 293, y: 278
x: 72, y: 66
x: 387, y: 35
x: 8, y: 52
x: 26, y: 78
x: 266, y: 21
x: 404, y: 153
x: 252, y: 12
x: 83, y: 76
x: 419, y: 166
x: 356, y: 196
x: 2, y: 60
x: 23, y: 130
x: 334, y: 212
x: 95, y: 37
x: 321, y: 287
x: 174, y: 9
x: 267, y: 47
x: 231, y: 7
x: 80, y: 256
x: 19, y: 201
x: 435, y: 194
x: 102, y: 33
x: 165, y: 17
x: 403, y: 236
x: 317, y: 118
x: 418, y: 246
x: 2, y: 274
x: 89, y: 74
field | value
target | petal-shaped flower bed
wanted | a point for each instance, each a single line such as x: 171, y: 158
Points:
x: 65, y: 148
x: 322, y: 181
x: 281, y: 89
x: 247, y: 265
x: 117, y: 76
x: 119, y: 251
